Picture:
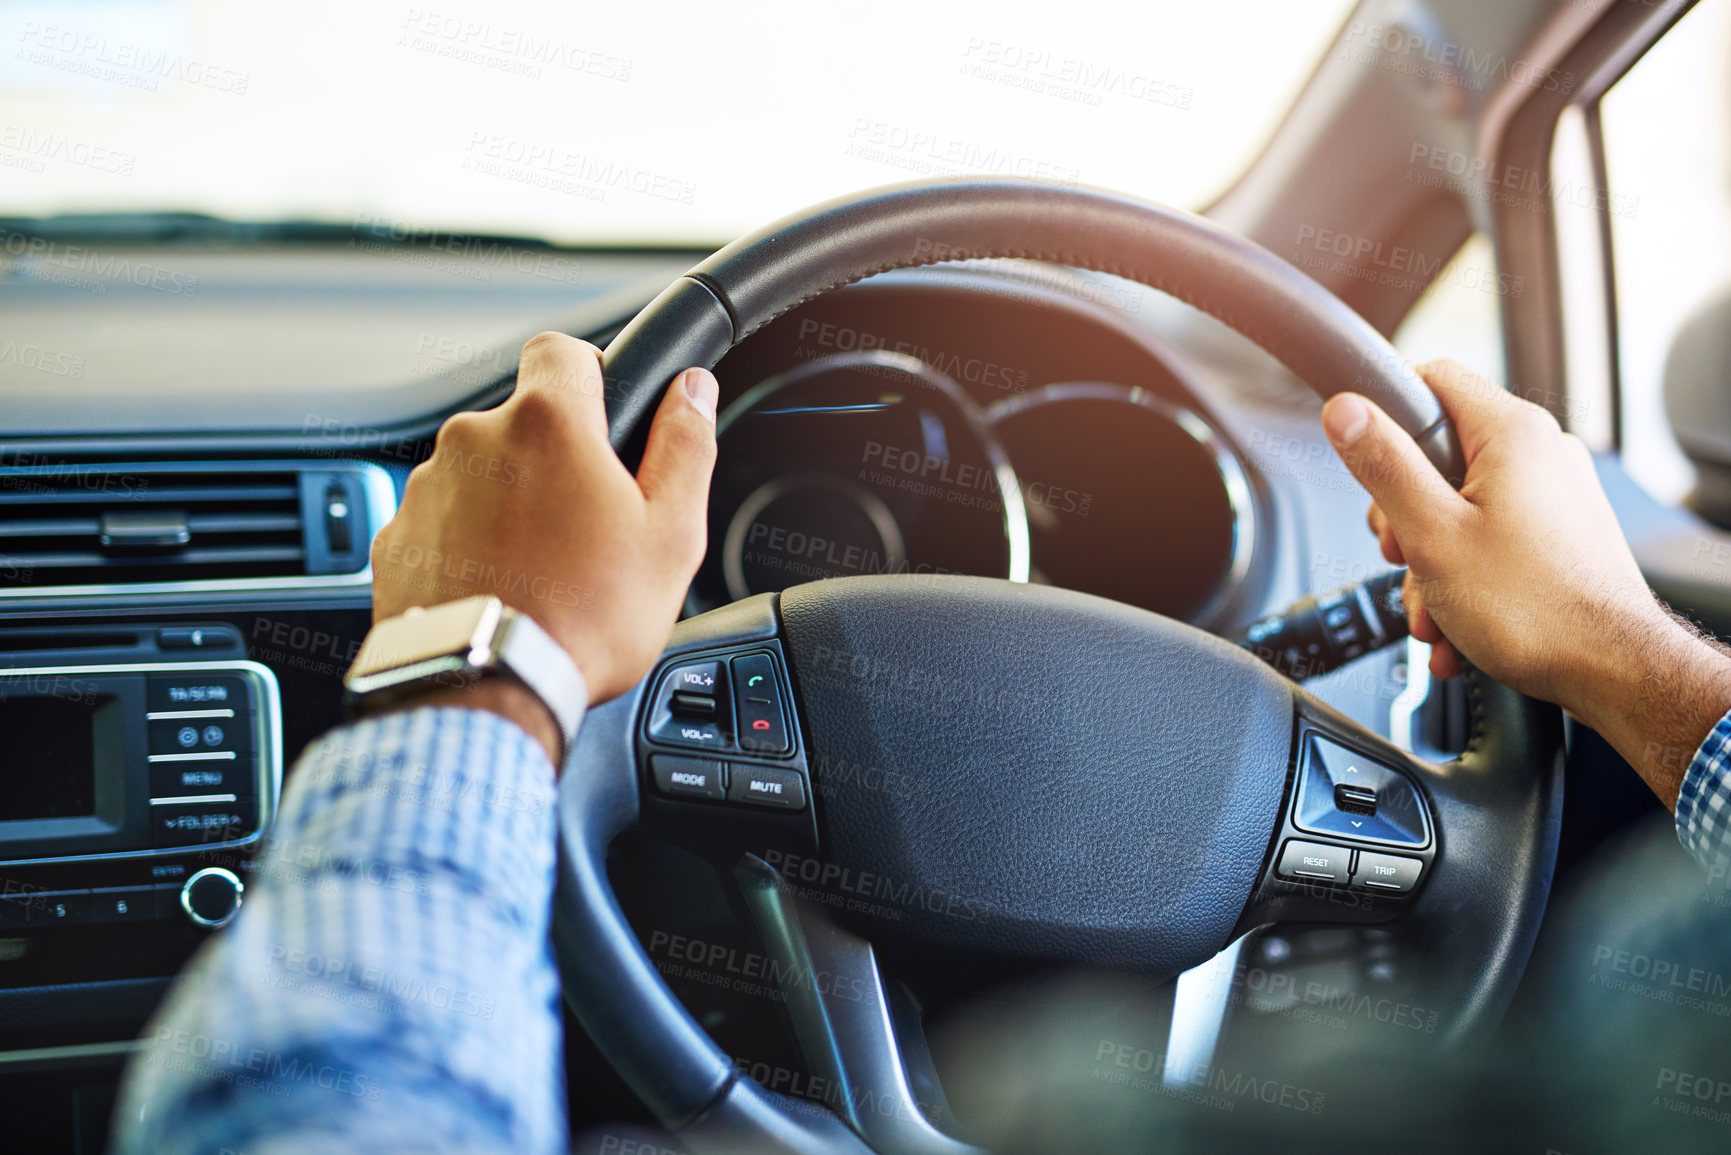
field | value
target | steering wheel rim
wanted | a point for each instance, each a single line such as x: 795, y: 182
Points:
x: 1499, y: 803
x: 744, y: 286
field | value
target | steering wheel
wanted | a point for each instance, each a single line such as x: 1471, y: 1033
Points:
x: 973, y: 766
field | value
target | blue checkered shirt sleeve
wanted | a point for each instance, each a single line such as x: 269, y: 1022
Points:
x: 388, y: 984
x: 1704, y: 805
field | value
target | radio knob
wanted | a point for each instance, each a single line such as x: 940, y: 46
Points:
x: 212, y: 896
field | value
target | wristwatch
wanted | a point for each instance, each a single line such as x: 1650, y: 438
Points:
x: 458, y: 644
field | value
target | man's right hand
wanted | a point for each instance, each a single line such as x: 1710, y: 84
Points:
x: 529, y: 502
x: 1525, y: 572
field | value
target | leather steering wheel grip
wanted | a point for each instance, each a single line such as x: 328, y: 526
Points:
x: 755, y: 279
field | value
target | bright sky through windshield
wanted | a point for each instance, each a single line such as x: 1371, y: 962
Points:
x: 663, y: 122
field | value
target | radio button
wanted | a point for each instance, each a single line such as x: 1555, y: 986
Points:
x: 62, y: 908
x: 167, y: 895
x: 184, y: 739
x: 15, y: 909
x: 238, y: 776
x: 212, y: 897
x: 197, y: 690
x: 123, y: 904
x: 193, y: 823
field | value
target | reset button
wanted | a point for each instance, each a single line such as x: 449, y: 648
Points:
x: 1316, y: 861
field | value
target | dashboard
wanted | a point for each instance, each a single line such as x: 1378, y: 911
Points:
x: 178, y: 602
x: 970, y: 422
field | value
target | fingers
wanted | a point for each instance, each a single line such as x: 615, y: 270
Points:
x: 1390, y: 465
x: 1378, y: 521
x: 680, y: 455
x: 1445, y: 662
x: 1476, y: 406
x: 559, y: 379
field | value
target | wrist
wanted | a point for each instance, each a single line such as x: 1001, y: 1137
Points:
x: 1617, y: 662
x: 504, y: 696
x: 1655, y: 694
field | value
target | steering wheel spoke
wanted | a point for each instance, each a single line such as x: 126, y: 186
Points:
x: 1357, y: 839
x: 860, y: 1033
x: 718, y: 746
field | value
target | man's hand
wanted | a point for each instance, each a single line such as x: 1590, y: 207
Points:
x: 529, y: 502
x: 1525, y: 572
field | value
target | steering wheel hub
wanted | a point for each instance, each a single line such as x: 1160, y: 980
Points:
x: 1027, y: 770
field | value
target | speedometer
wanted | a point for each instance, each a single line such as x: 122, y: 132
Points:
x: 858, y: 463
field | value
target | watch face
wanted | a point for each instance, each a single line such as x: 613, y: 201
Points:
x: 455, y: 628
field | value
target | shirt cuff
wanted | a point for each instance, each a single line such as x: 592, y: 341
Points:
x: 1704, y: 804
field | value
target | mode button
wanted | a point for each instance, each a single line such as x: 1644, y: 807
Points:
x: 687, y: 777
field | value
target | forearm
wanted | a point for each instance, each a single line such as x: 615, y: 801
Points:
x: 1654, y: 689
x: 388, y: 984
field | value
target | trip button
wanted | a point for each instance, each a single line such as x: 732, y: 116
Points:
x: 1315, y: 862
x: 766, y: 786
x: 1391, y: 872
x: 687, y: 777
x: 757, y: 696
x: 195, y: 823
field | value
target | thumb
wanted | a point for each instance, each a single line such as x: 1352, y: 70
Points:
x: 680, y: 454
x: 1389, y: 464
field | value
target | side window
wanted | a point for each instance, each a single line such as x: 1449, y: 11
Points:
x: 1460, y: 314
x: 1667, y: 141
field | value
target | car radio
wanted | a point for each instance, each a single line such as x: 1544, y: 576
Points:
x: 136, y: 760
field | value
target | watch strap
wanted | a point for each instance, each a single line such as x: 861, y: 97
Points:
x: 459, y: 643
x: 528, y: 653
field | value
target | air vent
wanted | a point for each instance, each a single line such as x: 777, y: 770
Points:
x: 83, y: 526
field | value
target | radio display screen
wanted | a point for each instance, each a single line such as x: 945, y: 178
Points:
x: 48, y: 757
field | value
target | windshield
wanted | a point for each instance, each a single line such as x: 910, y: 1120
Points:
x: 661, y: 124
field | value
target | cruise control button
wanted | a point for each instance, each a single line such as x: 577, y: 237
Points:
x: 687, y: 777
x: 1315, y: 861
x: 1342, y: 792
x: 757, y: 695
x: 766, y: 786
x: 1386, y: 872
